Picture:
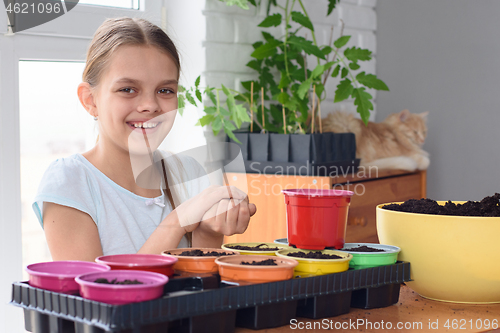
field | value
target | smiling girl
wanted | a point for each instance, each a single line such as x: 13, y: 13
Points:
x: 92, y: 204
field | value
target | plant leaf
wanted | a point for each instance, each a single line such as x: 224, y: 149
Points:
x: 271, y: 21
x: 257, y: 44
x: 197, y: 82
x: 190, y: 98
x: 224, y: 112
x: 345, y: 71
x: 355, y: 54
x: 306, y: 45
x: 266, y: 50
x: 331, y: 6
x: 284, y: 81
x: 268, y: 37
x: 210, y: 110
x: 211, y: 95
x: 242, y: 113
x: 371, y: 81
x: 283, y: 98
x: 206, y: 120
x: 198, y: 95
x: 336, y: 71
x: 319, y: 89
x: 317, y: 71
x: 354, y: 66
x: 181, y: 104
x: 341, y: 41
x: 362, y: 100
x: 344, y: 90
x: 229, y: 126
x: 326, y: 50
x: 304, y: 88
x: 181, y: 89
x: 302, y: 20
x: 217, y: 124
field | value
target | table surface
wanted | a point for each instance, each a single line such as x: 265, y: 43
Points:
x: 412, y: 310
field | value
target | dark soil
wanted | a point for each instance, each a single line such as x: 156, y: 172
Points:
x: 103, y: 280
x: 267, y: 262
x: 313, y: 255
x: 200, y: 253
x: 488, y: 206
x: 260, y: 247
x: 364, y: 248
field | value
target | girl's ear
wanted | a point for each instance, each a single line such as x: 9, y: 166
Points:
x: 87, y: 98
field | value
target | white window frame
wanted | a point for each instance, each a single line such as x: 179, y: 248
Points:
x: 63, y: 39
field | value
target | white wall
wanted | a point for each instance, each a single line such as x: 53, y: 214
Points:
x: 231, y: 31
x: 443, y: 56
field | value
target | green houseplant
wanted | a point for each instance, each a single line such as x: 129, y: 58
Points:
x: 291, y: 91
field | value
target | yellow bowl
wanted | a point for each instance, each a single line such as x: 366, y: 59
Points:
x: 254, y: 244
x: 452, y: 258
x: 308, y: 267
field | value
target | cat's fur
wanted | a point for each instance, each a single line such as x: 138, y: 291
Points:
x: 395, y: 143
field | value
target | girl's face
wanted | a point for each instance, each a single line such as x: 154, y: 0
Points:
x: 136, y: 99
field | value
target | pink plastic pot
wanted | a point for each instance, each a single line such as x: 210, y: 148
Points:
x: 142, y: 262
x: 60, y: 276
x: 151, y: 287
x: 316, y: 219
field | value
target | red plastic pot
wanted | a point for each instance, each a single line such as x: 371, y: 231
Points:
x: 140, y: 262
x: 316, y: 219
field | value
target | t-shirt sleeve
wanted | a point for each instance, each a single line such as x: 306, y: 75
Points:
x: 67, y: 183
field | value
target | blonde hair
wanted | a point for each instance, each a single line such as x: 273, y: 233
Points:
x: 117, y: 32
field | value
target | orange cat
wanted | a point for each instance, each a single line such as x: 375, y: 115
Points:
x: 395, y: 143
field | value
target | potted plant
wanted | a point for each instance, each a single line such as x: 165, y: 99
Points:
x: 281, y: 108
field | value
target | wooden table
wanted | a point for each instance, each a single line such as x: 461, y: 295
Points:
x: 412, y: 310
x: 370, y: 187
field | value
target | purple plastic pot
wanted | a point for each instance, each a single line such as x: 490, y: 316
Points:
x: 151, y: 287
x: 60, y: 275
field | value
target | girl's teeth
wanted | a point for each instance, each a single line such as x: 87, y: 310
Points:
x: 145, y: 125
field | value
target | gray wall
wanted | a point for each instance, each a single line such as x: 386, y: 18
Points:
x: 444, y: 56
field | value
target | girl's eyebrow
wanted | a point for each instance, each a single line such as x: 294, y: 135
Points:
x: 134, y: 81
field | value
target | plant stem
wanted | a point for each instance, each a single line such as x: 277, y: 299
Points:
x: 285, y: 46
x: 312, y: 31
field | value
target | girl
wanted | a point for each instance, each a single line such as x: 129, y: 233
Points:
x: 92, y: 204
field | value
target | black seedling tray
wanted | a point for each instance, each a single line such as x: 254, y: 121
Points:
x: 205, y: 304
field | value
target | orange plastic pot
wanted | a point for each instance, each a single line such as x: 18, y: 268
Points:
x: 231, y: 269
x: 317, y: 219
x: 192, y: 264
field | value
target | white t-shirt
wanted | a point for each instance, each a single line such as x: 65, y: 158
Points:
x: 124, y: 220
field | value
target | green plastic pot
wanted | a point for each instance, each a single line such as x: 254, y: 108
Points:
x: 371, y: 259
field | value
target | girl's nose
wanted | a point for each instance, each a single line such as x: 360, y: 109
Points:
x: 148, y: 103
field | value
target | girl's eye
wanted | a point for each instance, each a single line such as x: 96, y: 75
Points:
x: 128, y: 90
x: 166, y: 91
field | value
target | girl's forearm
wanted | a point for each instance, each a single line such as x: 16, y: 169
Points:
x: 166, y: 236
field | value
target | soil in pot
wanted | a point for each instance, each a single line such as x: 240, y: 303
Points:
x: 200, y: 253
x: 261, y: 247
x: 114, y: 281
x: 267, y: 262
x: 363, y: 248
x: 313, y: 255
x: 488, y: 207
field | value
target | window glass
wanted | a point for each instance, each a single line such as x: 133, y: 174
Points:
x: 131, y: 4
x: 53, y: 125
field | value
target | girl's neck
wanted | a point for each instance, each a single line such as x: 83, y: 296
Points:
x: 124, y: 169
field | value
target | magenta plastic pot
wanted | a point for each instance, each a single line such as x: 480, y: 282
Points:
x: 143, y: 262
x: 60, y: 276
x: 316, y: 219
x: 151, y: 287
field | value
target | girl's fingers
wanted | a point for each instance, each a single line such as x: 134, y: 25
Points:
x: 220, y: 224
x: 232, y: 218
x: 252, y: 208
x: 243, y: 218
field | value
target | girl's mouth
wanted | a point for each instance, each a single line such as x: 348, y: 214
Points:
x: 148, y: 126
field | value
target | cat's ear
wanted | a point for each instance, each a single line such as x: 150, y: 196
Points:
x: 403, y: 115
x: 424, y: 115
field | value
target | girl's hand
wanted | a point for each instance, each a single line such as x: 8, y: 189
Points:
x: 200, y: 207
x: 227, y: 218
